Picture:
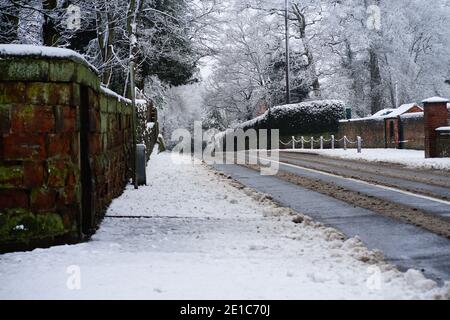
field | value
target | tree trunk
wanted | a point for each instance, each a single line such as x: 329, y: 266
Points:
x: 50, y: 34
x: 357, y: 86
x: 312, y: 69
x: 376, y: 94
x: 376, y: 90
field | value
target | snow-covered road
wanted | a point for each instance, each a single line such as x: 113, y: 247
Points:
x: 205, y: 237
x: 408, y: 158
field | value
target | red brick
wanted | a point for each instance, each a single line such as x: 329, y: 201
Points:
x: 70, y: 189
x: 42, y: 199
x: 60, y: 200
x: 33, y: 174
x: 65, y: 119
x: 13, y: 198
x: 59, y: 144
x: 24, y: 147
x: 32, y: 119
x: 41, y: 93
x: 69, y: 215
x: 70, y: 196
x: 94, y: 120
x: 75, y: 150
x: 67, y: 221
x: 57, y: 173
x: 12, y: 92
x: 5, y: 119
x: 70, y: 119
x: 95, y: 144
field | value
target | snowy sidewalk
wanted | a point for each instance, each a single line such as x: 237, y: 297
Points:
x: 203, y: 238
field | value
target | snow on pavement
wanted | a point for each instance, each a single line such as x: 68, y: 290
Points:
x: 409, y: 158
x: 205, y: 237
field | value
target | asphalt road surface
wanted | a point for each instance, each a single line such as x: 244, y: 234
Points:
x: 406, y: 244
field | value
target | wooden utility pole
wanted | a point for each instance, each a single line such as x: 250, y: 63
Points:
x: 288, y: 67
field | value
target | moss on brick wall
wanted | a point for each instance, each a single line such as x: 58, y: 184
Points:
x: 38, y: 69
x: 40, y: 183
x: 24, y: 226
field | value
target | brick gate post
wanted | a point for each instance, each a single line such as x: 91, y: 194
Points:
x: 436, y: 115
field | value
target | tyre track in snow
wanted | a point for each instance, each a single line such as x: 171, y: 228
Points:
x: 396, y: 193
x: 433, y: 183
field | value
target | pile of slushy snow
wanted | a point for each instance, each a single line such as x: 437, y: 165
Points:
x: 195, y: 234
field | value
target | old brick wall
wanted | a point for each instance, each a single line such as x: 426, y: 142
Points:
x: 392, y: 133
x: 371, y: 131
x: 412, y: 127
x: 110, y: 148
x: 408, y: 131
x: 39, y: 170
x: 44, y: 105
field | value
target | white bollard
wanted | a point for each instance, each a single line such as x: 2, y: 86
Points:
x: 358, y: 138
x: 321, y: 143
x: 303, y: 143
x: 332, y: 142
x: 293, y: 143
x: 312, y: 143
x: 345, y: 143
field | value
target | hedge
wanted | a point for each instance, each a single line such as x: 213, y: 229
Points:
x: 302, y: 118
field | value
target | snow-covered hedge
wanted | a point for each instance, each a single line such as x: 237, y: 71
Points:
x: 305, y: 117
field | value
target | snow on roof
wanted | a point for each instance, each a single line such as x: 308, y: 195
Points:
x: 402, y: 109
x: 436, y: 100
x: 381, y: 113
x: 390, y: 113
x: 412, y: 115
x: 42, y: 51
x: 443, y: 129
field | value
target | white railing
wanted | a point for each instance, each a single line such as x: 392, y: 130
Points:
x: 311, y: 141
